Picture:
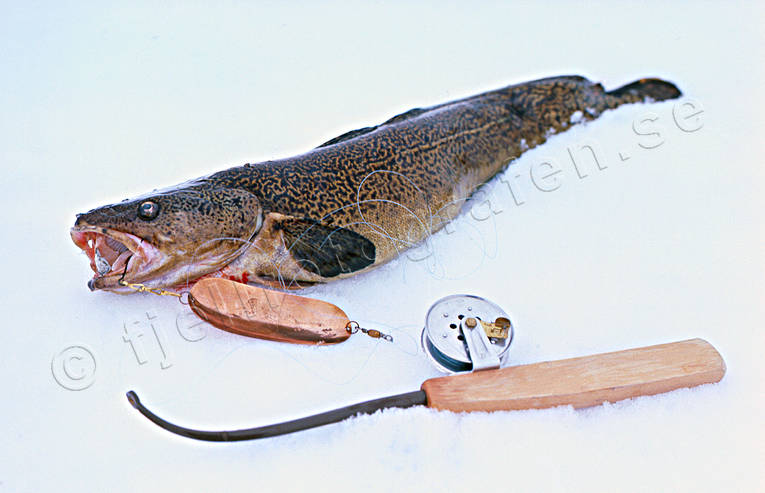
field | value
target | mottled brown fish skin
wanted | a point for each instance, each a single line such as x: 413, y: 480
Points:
x: 403, y: 180
x: 360, y: 199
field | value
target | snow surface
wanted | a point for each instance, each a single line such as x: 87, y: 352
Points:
x: 101, y: 102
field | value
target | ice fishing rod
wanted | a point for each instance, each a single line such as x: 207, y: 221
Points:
x: 578, y: 382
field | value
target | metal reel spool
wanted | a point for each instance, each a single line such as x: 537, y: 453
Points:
x: 447, y: 339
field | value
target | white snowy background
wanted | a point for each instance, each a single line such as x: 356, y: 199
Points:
x: 100, y: 102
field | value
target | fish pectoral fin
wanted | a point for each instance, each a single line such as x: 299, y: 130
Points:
x: 325, y: 249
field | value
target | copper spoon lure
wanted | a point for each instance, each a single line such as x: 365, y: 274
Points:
x: 263, y: 313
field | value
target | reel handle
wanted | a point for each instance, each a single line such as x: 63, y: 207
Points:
x: 580, y: 382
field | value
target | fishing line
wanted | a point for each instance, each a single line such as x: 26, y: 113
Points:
x: 406, y: 178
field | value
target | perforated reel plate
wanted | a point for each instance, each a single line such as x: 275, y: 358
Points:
x: 442, y: 339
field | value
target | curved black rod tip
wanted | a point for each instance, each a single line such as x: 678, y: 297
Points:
x: 133, y: 399
x: 416, y: 398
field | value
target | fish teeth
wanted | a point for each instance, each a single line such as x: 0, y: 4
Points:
x: 102, y: 265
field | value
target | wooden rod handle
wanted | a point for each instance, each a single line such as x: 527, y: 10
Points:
x: 580, y: 382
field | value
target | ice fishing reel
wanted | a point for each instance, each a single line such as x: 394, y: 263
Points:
x: 466, y: 333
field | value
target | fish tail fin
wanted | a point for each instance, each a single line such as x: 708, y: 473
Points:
x: 645, y: 90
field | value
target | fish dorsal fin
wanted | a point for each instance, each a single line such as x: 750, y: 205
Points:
x: 361, y: 131
x: 406, y: 115
x: 325, y: 249
x: 348, y: 136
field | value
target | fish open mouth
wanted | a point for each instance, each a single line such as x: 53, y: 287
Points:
x: 114, y: 255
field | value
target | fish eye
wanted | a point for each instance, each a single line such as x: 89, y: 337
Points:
x: 148, y: 210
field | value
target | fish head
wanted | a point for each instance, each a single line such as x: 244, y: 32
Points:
x: 167, y: 238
